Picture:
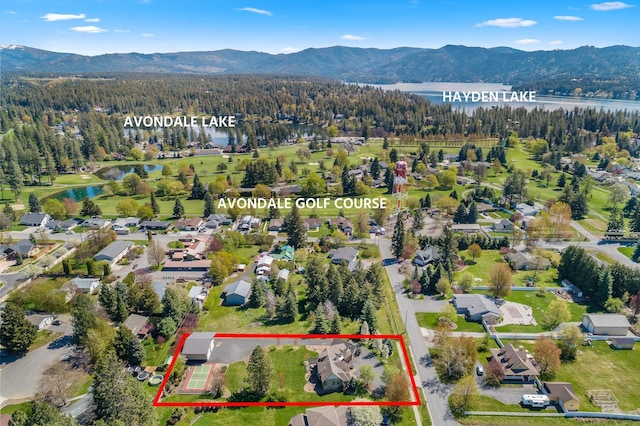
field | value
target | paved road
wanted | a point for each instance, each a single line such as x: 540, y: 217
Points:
x: 435, y: 392
x: 19, y: 377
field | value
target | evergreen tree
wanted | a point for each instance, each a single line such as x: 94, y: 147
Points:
x: 418, y: 220
x: 258, y: 292
x: 83, y: 319
x: 604, y: 287
x: 388, y: 180
x: 178, y: 209
x: 209, y: 207
x: 9, y: 211
x: 636, y: 252
x: 397, y: 240
x: 154, y: 204
x: 274, y: 212
x: 460, y: 215
x: 121, y: 312
x: 472, y: 215
x: 91, y: 268
x: 34, y: 203
x: 288, y: 307
x: 616, y: 221
x: 427, y: 201
x: 171, y: 305
x: 368, y: 316
x: 375, y: 168
x: 634, y: 224
x: 335, y: 285
x: 118, y: 397
x: 198, y: 190
x: 66, y: 266
x: 320, y: 325
x: 562, y: 180
x: 89, y: 208
x: 335, y: 327
x: 16, y: 333
x: 260, y: 371
x: 295, y: 229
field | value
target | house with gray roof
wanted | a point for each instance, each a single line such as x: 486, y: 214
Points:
x: 23, y: 247
x: 154, y: 225
x: 322, y: 416
x: 520, y: 261
x: 475, y: 306
x: 335, y: 365
x: 96, y: 223
x: 138, y: 325
x: 344, y: 254
x: 85, y: 285
x: 114, y: 251
x: 199, y: 345
x: 606, y: 324
x: 516, y: 364
x: 428, y: 255
x: 34, y: 219
x: 237, y: 293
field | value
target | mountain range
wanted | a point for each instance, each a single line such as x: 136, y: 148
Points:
x: 403, y: 64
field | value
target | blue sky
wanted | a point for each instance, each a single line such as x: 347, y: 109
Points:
x: 107, y: 26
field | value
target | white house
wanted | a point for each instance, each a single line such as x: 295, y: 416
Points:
x: 606, y: 324
x: 35, y: 219
x: 85, y: 285
x: 114, y: 251
x: 199, y: 345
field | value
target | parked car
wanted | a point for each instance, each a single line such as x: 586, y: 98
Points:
x: 479, y: 370
x: 57, y: 322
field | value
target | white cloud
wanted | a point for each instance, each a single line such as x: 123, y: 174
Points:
x: 92, y: 20
x: 254, y: 10
x: 567, y: 18
x: 556, y: 42
x: 52, y: 17
x: 147, y: 34
x: 610, y: 5
x: 289, y: 50
x: 11, y: 12
x: 351, y: 37
x: 121, y: 31
x: 89, y: 29
x: 528, y: 41
x: 507, y: 23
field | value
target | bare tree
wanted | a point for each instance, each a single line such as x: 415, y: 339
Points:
x: 56, y: 380
x: 155, y: 253
x: 456, y: 356
x: 217, y: 382
x: 270, y: 303
x: 500, y: 279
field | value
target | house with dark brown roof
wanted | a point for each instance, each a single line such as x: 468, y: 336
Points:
x: 343, y: 224
x: 322, y: 416
x: 563, y: 394
x: 517, y: 365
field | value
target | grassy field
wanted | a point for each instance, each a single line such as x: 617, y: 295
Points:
x: 480, y: 267
x: 627, y: 251
x: 430, y: 320
x: 600, y: 367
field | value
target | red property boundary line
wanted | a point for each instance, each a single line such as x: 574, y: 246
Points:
x: 398, y: 337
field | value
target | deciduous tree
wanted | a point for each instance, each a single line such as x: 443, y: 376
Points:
x: 547, y: 356
x: 500, y: 279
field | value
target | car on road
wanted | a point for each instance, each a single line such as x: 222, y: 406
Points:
x: 134, y: 266
x: 480, y: 370
x: 389, y: 261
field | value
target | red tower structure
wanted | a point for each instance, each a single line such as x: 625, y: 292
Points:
x: 400, y: 186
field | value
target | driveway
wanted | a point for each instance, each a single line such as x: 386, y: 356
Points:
x: 20, y: 376
x: 368, y: 358
x: 507, y: 394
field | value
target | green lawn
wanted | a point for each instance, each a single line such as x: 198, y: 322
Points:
x: 487, y: 403
x: 430, y: 320
x: 627, y: 251
x: 155, y: 355
x: 600, y: 367
x: 480, y: 267
x: 539, y: 304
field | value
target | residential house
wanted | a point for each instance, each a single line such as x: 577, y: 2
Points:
x: 520, y: 261
x: 186, y: 265
x: 343, y: 224
x: 623, y: 342
x: 275, y: 225
x: 286, y: 252
x: 347, y: 255
x: 322, y: 416
x: 35, y: 219
x: 263, y: 266
x: 516, y: 364
x: 563, y: 394
x: 160, y: 288
x: 606, y: 324
x: 428, y: 255
x: 475, y: 307
x: 467, y: 228
x: 85, y: 285
x: 96, y: 223
x: 312, y: 223
x: 127, y: 222
x: 61, y: 225
x: 39, y: 321
x: 526, y: 209
x: 237, y: 293
x: 503, y: 226
x: 199, y: 345
x: 138, y: 324
x: 190, y: 224
x: 114, y: 252
x: 154, y: 225
x: 335, y: 364
x: 24, y: 247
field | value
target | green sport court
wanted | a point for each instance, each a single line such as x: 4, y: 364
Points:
x: 198, y: 377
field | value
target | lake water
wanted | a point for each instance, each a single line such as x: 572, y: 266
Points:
x: 79, y: 194
x: 120, y: 171
x: 433, y: 92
